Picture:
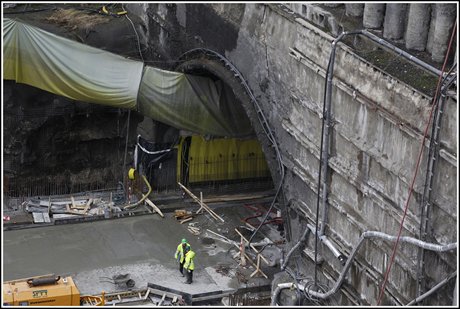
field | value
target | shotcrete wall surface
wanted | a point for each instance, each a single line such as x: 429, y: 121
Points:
x: 378, y: 125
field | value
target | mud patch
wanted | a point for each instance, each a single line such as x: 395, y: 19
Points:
x: 207, y: 241
x: 76, y: 19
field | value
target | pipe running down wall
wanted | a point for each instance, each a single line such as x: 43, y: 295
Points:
x: 324, y: 156
x: 322, y: 181
x: 342, y: 258
x: 365, y: 235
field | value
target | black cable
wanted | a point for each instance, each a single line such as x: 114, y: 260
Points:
x: 319, y: 171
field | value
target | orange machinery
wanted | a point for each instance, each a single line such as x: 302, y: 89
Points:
x: 46, y: 290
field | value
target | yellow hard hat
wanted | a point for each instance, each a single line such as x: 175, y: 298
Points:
x: 131, y: 173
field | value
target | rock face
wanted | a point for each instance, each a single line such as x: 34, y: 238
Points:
x: 59, y: 145
x: 377, y: 126
x: 60, y: 142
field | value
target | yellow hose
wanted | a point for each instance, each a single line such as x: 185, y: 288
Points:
x: 143, y: 196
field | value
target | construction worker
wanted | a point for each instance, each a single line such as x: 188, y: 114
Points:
x: 189, y: 265
x: 180, y: 254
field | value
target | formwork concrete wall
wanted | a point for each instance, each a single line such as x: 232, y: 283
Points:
x: 378, y: 128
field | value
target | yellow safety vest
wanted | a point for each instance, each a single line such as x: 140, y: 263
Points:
x: 180, y: 252
x: 189, y: 265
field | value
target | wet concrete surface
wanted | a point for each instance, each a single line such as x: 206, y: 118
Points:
x: 142, y: 246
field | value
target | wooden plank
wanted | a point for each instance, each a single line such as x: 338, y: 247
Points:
x: 87, y: 206
x: 251, y: 245
x: 38, y: 217
x: 206, y: 207
x: 211, y: 297
x: 236, y: 197
x: 162, y: 299
x: 255, y: 265
x: 46, y: 217
x: 242, y: 252
x: 193, y: 232
x: 160, y: 292
x: 65, y: 216
x: 74, y: 212
x: 155, y: 208
x: 186, y: 220
x: 223, y: 237
x: 82, y: 204
x: 201, y: 203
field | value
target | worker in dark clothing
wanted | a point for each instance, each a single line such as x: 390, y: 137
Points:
x: 180, y: 254
x: 189, y: 265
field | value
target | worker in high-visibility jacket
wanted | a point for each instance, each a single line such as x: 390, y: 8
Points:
x: 189, y: 265
x: 180, y: 254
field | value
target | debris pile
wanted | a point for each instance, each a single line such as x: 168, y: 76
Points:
x: 103, y: 205
x: 42, y: 210
x: 183, y: 215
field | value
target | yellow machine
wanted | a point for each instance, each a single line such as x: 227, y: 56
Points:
x: 41, y: 291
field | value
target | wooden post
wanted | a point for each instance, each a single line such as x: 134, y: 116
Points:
x: 257, y: 267
x: 242, y: 252
x: 252, y: 246
x: 201, y: 203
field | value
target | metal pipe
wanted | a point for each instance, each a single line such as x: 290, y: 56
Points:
x: 401, y: 52
x: 277, y: 291
x: 365, y: 235
x: 336, y: 252
x: 288, y: 256
x: 433, y: 289
x: 329, y: 244
x: 433, y: 153
x: 143, y: 197
x: 324, y: 156
x: 326, y: 118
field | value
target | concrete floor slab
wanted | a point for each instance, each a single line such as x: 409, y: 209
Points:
x: 142, y: 246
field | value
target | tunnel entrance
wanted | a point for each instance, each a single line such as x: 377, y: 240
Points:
x: 70, y: 146
x: 212, y: 162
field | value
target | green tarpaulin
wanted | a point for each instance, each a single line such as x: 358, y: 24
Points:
x: 64, y: 67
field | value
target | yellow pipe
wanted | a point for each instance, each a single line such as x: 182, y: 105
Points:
x: 143, y: 197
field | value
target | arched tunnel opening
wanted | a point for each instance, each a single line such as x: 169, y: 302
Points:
x: 217, y: 163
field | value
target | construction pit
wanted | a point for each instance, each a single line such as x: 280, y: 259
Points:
x: 140, y: 245
x: 342, y: 140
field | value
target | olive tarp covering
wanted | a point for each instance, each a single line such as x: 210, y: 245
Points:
x: 67, y: 68
x: 64, y: 67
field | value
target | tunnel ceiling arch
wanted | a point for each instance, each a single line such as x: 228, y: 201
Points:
x: 64, y: 67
